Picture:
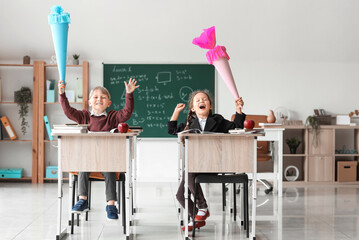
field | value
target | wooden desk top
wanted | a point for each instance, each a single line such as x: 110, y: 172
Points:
x: 99, y: 134
x: 220, y: 134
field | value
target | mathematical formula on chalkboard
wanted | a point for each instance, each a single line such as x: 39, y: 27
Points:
x: 162, y: 87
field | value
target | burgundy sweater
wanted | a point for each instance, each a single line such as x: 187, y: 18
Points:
x: 98, y: 123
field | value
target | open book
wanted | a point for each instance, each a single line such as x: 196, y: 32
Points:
x: 197, y: 130
x: 245, y: 131
x: 70, y: 128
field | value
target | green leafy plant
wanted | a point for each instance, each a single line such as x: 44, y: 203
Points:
x: 23, y: 98
x: 76, y: 56
x: 293, y: 143
x: 312, y: 121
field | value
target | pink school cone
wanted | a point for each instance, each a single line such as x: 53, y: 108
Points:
x: 218, y: 57
x: 222, y: 66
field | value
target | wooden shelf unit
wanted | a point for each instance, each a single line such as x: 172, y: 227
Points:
x: 35, y: 121
x: 319, y: 161
x: 42, y: 66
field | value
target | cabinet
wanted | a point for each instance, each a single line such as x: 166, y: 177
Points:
x: 334, y: 143
x: 13, y: 77
x: 298, y: 159
x: 45, y: 148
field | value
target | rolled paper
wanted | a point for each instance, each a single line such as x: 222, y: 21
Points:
x: 217, y: 56
x: 59, y: 22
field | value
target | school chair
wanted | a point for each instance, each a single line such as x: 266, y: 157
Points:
x: 241, y: 178
x: 263, y: 151
x: 97, y: 176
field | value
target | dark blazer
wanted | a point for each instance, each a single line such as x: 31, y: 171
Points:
x: 214, y: 123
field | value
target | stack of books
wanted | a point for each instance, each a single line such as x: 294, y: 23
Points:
x: 70, y: 128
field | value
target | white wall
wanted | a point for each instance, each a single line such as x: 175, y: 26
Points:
x: 299, y: 54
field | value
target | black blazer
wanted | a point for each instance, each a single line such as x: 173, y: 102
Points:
x: 214, y: 123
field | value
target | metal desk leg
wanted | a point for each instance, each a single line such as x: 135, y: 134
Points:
x: 186, y: 190
x: 241, y: 193
x: 280, y: 165
x: 254, y: 190
x: 71, y: 187
x: 275, y: 166
x: 59, y: 233
x: 128, y: 187
x: 134, y: 159
x: 179, y: 176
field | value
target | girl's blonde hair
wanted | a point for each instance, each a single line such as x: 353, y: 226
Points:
x: 191, y: 115
x: 102, y: 89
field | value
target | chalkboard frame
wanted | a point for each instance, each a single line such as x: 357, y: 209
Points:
x: 203, y: 77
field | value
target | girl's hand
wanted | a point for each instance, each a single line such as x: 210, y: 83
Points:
x: 177, y: 111
x: 61, y: 86
x: 131, y: 85
x: 180, y: 107
x: 239, y: 105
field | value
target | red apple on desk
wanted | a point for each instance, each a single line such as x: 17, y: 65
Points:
x: 122, y: 127
x: 249, y: 124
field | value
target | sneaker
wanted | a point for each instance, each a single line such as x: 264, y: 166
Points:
x: 197, y: 225
x: 80, y: 206
x: 112, y: 212
x: 202, y: 215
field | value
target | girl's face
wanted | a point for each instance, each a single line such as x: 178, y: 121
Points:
x: 201, y: 105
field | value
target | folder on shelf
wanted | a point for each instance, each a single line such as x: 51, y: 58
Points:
x: 48, y: 128
x: 8, y: 127
x: 50, y: 90
x: 2, y: 130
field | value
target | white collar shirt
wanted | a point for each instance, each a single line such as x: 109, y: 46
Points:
x: 98, y: 115
x: 202, y: 123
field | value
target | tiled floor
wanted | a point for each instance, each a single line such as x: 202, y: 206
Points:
x: 312, y: 212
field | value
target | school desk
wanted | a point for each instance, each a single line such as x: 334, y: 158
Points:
x: 96, y: 152
x: 220, y: 153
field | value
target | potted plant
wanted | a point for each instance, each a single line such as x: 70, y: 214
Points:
x: 23, y: 98
x: 312, y: 121
x: 76, y: 59
x: 293, y: 144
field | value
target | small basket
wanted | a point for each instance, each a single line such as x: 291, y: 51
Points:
x: 324, y: 120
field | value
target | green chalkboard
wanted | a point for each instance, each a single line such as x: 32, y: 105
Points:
x: 162, y: 87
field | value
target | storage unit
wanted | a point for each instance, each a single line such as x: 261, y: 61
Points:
x: 346, y: 171
x: 334, y: 143
x: 11, y: 173
x: 51, y: 172
x: 45, y: 107
x: 21, y: 75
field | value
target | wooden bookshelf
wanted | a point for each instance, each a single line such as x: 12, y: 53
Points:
x: 35, y: 121
x: 42, y: 66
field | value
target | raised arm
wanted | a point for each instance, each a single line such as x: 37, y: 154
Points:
x: 172, y: 127
x: 78, y: 116
x: 177, y: 111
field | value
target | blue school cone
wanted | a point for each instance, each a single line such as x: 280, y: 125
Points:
x: 59, y: 22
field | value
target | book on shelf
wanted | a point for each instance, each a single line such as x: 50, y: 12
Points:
x: 48, y: 128
x: 2, y: 130
x: 9, y: 128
